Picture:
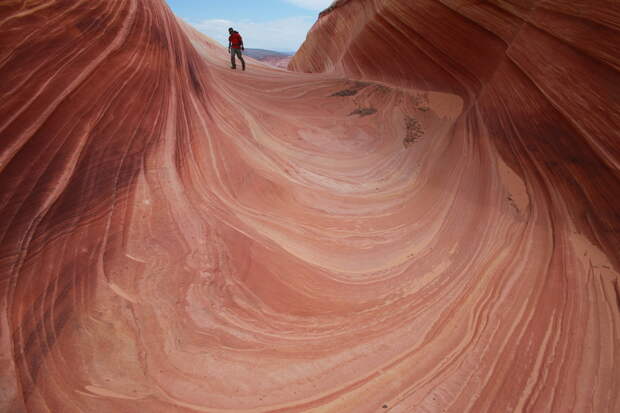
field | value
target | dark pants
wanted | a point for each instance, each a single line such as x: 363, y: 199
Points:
x: 237, y: 52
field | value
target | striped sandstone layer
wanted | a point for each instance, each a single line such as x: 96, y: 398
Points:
x: 424, y: 227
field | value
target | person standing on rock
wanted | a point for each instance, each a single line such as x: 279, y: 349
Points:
x: 235, y: 46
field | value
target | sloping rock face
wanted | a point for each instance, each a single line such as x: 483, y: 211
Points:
x: 428, y: 225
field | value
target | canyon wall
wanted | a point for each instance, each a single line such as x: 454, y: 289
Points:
x: 541, y: 74
x: 427, y: 222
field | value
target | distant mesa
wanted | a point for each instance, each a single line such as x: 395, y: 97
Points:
x: 271, y: 57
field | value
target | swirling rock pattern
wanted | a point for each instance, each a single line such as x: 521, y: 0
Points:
x: 430, y: 224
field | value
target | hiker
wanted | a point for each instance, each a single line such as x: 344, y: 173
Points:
x: 235, y: 46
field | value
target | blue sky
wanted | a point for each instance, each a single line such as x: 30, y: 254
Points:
x: 279, y: 25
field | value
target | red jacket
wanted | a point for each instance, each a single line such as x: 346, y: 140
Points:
x: 235, y: 40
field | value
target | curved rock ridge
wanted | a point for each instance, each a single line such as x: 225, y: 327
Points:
x: 427, y: 227
x: 541, y: 74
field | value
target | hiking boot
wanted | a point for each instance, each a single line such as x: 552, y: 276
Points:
x: 233, y: 67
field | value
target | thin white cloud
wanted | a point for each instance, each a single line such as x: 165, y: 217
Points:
x: 316, y: 5
x: 285, y: 35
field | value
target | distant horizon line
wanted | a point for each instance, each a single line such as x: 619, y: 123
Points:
x: 291, y: 52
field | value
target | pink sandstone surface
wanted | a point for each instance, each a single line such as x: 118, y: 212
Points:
x: 428, y: 222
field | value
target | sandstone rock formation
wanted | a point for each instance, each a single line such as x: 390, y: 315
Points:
x: 427, y: 223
